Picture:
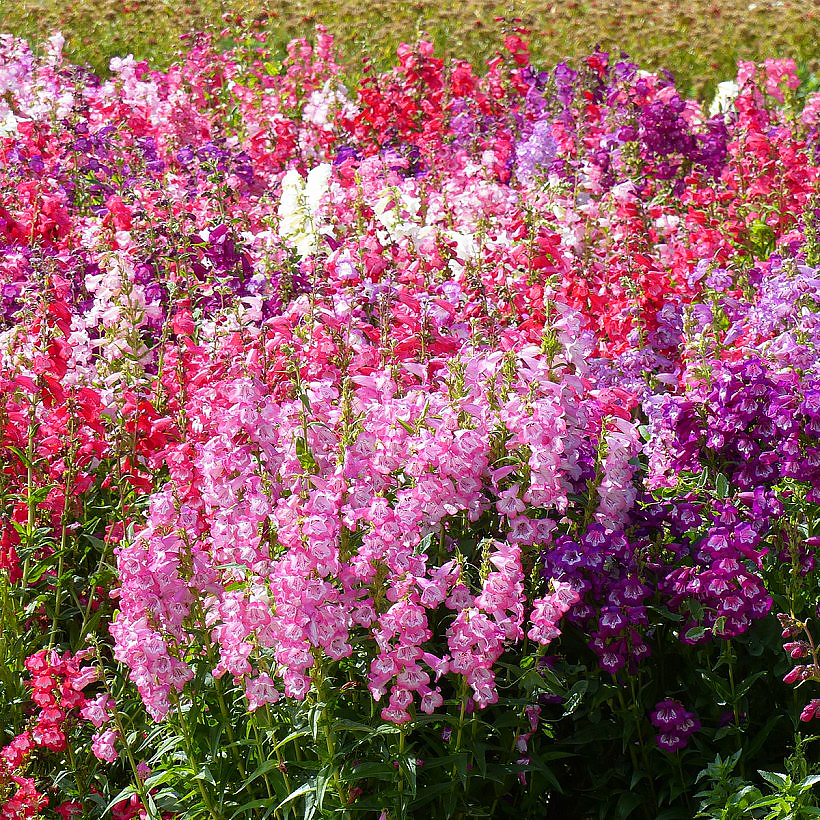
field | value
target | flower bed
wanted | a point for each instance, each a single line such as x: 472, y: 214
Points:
x: 446, y: 444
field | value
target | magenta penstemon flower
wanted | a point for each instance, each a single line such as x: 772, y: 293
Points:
x: 674, y: 724
x: 811, y: 710
x: 549, y: 610
x: 104, y: 745
x: 98, y: 710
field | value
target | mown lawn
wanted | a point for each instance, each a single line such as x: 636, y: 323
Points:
x: 698, y: 40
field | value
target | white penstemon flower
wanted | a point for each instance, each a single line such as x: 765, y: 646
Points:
x: 299, y: 218
x: 724, y: 98
x: 323, y: 104
x: 8, y: 125
x: 398, y: 213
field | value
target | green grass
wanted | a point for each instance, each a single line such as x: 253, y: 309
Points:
x: 698, y: 40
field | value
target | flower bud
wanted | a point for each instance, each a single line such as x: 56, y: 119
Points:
x: 794, y: 674
x: 810, y: 710
x: 797, y: 649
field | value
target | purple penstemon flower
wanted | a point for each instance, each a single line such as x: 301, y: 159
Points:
x: 674, y: 723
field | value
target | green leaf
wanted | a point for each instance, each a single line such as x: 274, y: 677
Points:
x: 748, y: 683
x: 372, y: 770
x: 262, y: 770
x: 310, y: 805
x: 304, y: 455
x: 408, y: 766
x: 261, y: 803
x: 292, y: 736
x: 409, y: 427
x: 20, y: 455
x: 575, y: 696
x: 164, y: 775
x: 718, y: 686
x: 726, y: 731
x: 777, y: 780
x: 627, y: 803
x: 751, y: 792
x: 666, y: 613
x: 461, y: 761
x: 386, y: 729
x: 429, y: 794
x: 205, y: 774
x: 537, y: 764
x: 424, y: 545
x: 315, y: 718
x: 123, y: 795
x: 545, y: 679
x: 761, y: 737
x: 322, y: 780
x: 305, y: 788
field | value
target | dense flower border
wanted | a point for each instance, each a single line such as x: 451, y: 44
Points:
x: 404, y: 380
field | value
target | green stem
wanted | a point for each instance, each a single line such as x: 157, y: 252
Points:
x: 29, y: 496
x: 193, y: 763
x: 402, y: 738
x: 9, y: 623
x: 463, y: 693
x: 67, y: 494
x: 279, y: 757
x: 512, y: 755
x: 81, y: 785
x: 260, y: 756
x: 730, y: 661
x: 106, y: 544
x: 331, y: 750
x: 330, y: 741
x: 58, y: 593
x: 457, y: 748
x: 642, y: 747
x: 730, y: 664
x: 223, y: 708
x: 684, y: 786
x: 132, y: 762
